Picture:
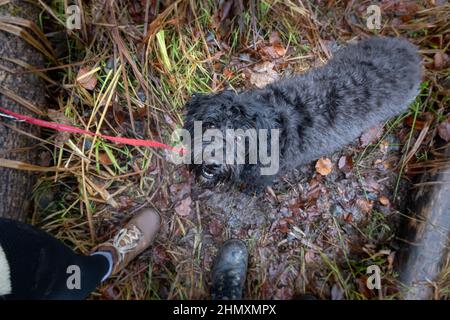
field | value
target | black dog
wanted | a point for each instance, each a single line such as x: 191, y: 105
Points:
x: 317, y: 112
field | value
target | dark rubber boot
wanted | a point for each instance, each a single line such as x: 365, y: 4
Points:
x: 229, y: 271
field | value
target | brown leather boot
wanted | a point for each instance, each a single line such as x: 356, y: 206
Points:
x: 133, y: 239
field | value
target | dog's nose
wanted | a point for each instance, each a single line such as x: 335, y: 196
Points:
x: 211, y: 162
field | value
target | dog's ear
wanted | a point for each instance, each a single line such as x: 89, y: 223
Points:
x: 228, y: 94
x: 194, y: 100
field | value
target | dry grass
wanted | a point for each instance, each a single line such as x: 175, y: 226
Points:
x: 147, y: 58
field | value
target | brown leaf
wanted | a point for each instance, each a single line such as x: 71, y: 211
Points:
x: 184, y: 208
x: 263, y: 74
x: 88, y: 82
x: 279, y: 49
x: 283, y: 226
x: 314, y: 190
x: 215, y: 228
x: 324, y: 166
x: 384, y: 201
x: 180, y: 191
x: 273, y: 52
x: 309, y: 256
x: 371, y: 185
x: 400, y: 7
x: 274, y: 38
x: 444, y: 130
x: 409, y: 121
x: 345, y: 164
x: 348, y: 217
x: 120, y: 116
x: 440, y: 60
x: 227, y: 73
x: 104, y: 158
x: 370, y: 136
x: 363, y: 288
x: 364, y: 205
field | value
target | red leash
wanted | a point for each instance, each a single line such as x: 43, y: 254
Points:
x: 72, y: 129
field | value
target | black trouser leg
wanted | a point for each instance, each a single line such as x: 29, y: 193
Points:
x: 42, y: 267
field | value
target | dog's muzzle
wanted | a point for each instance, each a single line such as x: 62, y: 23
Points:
x: 211, y: 171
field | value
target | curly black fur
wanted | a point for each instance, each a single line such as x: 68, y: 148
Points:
x: 320, y: 111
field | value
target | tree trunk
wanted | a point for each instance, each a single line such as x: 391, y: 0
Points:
x: 427, y: 233
x: 16, y: 185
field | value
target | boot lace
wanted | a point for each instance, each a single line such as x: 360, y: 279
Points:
x: 126, y: 240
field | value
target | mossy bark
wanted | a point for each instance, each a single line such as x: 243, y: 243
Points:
x: 16, y: 186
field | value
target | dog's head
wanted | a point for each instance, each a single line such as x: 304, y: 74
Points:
x: 224, y: 117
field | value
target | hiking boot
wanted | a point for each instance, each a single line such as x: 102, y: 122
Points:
x: 130, y: 241
x: 229, y: 271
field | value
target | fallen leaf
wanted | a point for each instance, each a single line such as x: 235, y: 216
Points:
x: 279, y: 49
x: 104, y: 158
x: 215, y: 228
x: 420, y: 122
x: 276, y: 49
x: 125, y: 203
x: 440, y: 60
x: 364, y: 205
x: 406, y: 18
x: 370, y: 136
x: 315, y: 189
x: 400, y: 7
x: 348, y: 217
x: 384, y: 201
x: 227, y: 73
x: 345, y: 164
x: 120, y: 116
x: 274, y: 38
x: 324, y: 166
x: 363, y: 288
x: 283, y: 226
x: 263, y: 74
x: 180, y: 191
x: 444, y: 130
x: 184, y: 208
x: 370, y: 184
x: 273, y: 52
x: 86, y: 81
x: 309, y: 256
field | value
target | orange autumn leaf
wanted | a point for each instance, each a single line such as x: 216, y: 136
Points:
x: 384, y: 201
x: 103, y: 158
x: 324, y: 166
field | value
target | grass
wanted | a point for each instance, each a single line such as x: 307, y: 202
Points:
x: 146, y: 69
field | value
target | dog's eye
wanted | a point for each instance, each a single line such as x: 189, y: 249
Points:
x: 208, y: 125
